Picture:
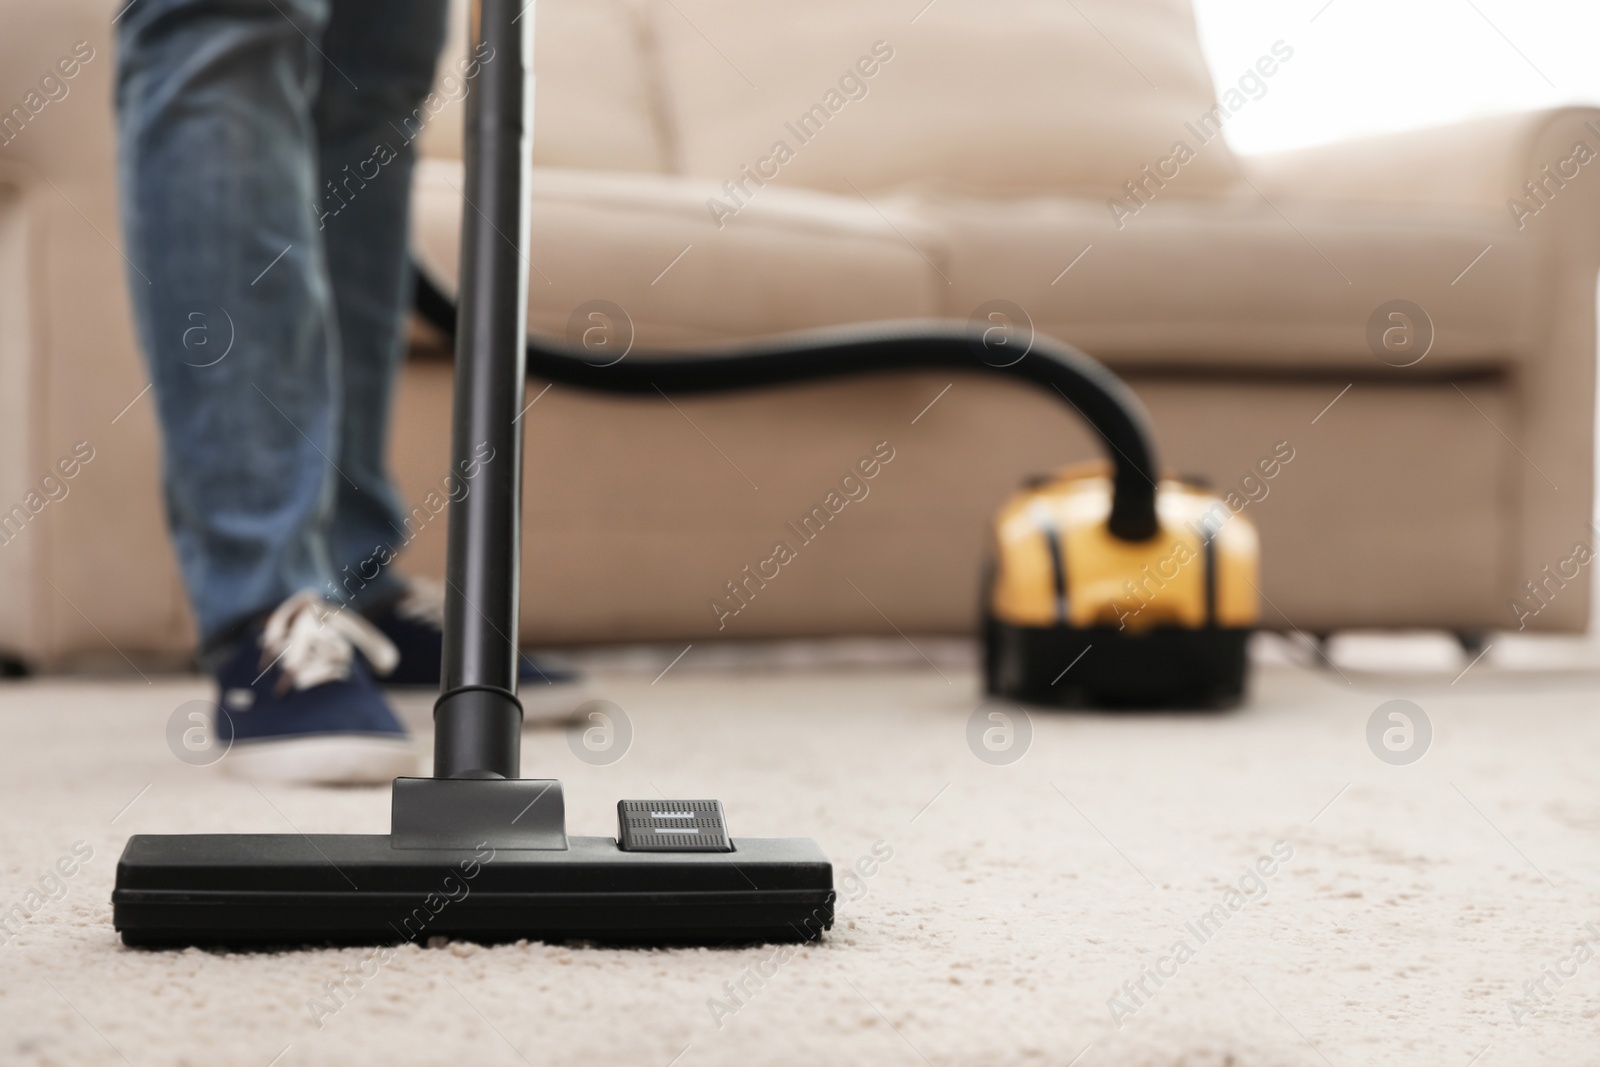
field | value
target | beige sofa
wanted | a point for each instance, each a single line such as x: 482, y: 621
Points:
x: 937, y: 160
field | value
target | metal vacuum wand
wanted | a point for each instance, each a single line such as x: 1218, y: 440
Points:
x: 478, y: 719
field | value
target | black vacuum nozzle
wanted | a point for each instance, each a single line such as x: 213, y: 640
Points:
x: 297, y: 889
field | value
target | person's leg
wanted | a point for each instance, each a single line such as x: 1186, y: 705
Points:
x: 236, y: 318
x: 230, y: 292
x: 378, y: 65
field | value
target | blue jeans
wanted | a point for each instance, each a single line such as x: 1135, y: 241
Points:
x: 265, y: 172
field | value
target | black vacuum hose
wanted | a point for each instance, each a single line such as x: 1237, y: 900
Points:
x: 1098, y: 395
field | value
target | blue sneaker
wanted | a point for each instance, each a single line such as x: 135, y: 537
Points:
x: 414, y: 624
x: 304, y: 706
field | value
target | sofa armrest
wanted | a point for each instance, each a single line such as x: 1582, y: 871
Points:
x: 56, y: 75
x: 68, y: 358
x: 1480, y: 163
x: 1536, y: 175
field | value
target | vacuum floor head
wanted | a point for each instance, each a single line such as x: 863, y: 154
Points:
x: 299, y: 889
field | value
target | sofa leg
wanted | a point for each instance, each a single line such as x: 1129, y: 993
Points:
x: 1472, y: 642
x: 1319, y: 651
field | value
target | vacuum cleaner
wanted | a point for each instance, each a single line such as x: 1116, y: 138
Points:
x: 478, y: 852
x: 1108, y: 585
x: 1144, y: 586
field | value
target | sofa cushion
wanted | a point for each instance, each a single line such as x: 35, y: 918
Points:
x: 593, y: 106
x: 992, y: 94
x: 644, y: 242
x: 1238, y: 284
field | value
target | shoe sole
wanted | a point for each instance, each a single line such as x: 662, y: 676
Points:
x: 334, y: 759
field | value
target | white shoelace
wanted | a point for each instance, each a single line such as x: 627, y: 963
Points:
x: 313, y: 641
x: 422, y: 602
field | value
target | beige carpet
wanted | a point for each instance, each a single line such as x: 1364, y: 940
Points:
x: 1417, y: 902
